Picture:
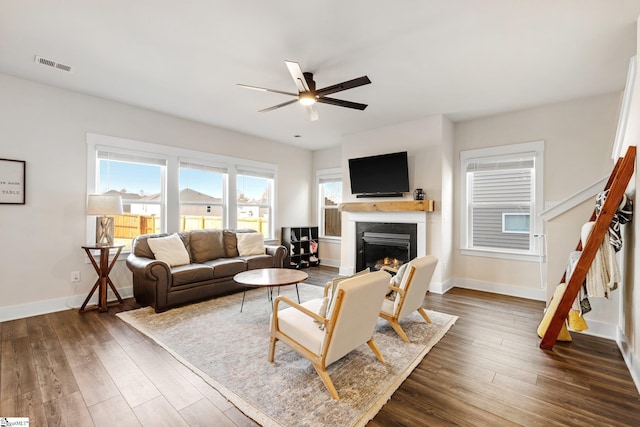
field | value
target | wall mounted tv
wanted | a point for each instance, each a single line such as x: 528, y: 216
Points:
x: 385, y: 175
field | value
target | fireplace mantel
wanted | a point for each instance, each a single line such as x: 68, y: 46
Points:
x: 396, y: 206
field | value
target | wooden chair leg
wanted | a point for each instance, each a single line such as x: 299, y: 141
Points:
x: 272, y: 348
x: 424, y: 315
x: 396, y: 327
x: 376, y: 350
x: 324, y: 376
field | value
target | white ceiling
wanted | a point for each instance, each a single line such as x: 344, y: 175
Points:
x: 461, y: 58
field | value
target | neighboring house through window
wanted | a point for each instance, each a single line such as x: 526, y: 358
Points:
x: 329, y: 198
x: 501, y: 198
x: 202, y: 196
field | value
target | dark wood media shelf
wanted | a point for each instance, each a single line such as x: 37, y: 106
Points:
x: 302, y: 244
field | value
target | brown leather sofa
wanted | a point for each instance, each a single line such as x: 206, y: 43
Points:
x: 214, y: 261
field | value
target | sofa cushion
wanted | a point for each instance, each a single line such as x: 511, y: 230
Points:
x: 191, y: 273
x: 230, y: 243
x: 225, y: 267
x: 258, y: 261
x: 250, y: 244
x: 169, y: 249
x: 206, y: 245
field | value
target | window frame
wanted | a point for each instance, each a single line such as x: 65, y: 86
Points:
x: 533, y: 149
x: 170, y: 204
x: 330, y: 175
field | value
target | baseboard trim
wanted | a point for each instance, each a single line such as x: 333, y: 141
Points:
x: 53, y: 305
x: 630, y: 358
x: 441, y: 287
x: 500, y: 288
x: 330, y: 262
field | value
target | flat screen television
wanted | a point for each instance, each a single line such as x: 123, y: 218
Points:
x: 385, y: 175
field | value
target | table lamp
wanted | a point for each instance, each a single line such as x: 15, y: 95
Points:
x: 103, y: 205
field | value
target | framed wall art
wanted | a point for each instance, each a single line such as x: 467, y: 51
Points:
x: 12, y: 177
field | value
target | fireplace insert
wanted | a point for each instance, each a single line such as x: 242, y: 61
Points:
x: 386, y: 245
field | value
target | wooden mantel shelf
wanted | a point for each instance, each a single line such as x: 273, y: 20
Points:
x: 399, y: 206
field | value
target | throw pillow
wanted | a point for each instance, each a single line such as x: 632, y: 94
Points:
x: 250, y: 244
x: 397, y: 279
x: 169, y: 249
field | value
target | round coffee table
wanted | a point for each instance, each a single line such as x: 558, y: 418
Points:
x: 270, y: 278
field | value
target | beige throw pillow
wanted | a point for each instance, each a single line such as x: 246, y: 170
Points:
x: 169, y: 249
x: 250, y: 244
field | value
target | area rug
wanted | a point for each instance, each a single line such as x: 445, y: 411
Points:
x: 228, y: 349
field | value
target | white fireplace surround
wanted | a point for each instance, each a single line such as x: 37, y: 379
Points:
x: 349, y: 220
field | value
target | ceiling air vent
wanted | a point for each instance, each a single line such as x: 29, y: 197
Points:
x: 53, y: 64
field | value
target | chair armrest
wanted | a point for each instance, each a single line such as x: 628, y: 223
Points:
x: 299, y: 307
x: 326, y: 288
x: 279, y: 254
x: 395, y: 288
x: 145, y: 267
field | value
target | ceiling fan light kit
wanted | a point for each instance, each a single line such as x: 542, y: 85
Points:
x: 308, y: 95
x: 307, y: 99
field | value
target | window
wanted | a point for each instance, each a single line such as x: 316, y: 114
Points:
x: 501, y: 190
x: 253, y: 203
x: 330, y: 197
x: 170, y: 189
x: 202, y: 196
x: 140, y: 182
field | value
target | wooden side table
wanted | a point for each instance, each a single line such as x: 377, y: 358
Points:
x: 103, y: 271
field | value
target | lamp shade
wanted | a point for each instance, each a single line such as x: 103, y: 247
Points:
x: 104, y: 204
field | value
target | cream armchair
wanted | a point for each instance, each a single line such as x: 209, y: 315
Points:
x: 349, y: 323
x: 410, y: 294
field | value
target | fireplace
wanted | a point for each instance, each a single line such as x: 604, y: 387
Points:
x: 385, y: 244
x: 349, y: 251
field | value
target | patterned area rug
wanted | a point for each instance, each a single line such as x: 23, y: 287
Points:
x: 229, y: 350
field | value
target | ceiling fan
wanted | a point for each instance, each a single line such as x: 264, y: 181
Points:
x: 308, y: 95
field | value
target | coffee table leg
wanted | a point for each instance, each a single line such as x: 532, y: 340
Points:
x: 298, y: 293
x: 243, y: 294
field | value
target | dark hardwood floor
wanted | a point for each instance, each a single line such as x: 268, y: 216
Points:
x: 71, y: 369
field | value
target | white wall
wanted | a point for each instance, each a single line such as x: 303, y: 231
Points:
x: 578, y: 139
x: 46, y: 126
x: 629, y: 325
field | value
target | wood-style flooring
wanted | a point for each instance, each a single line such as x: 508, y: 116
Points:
x: 71, y: 369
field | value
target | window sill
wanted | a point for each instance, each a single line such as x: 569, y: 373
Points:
x: 331, y: 238
x: 502, y: 255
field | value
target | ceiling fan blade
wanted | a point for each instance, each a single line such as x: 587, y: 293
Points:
x: 298, y: 76
x: 313, y: 113
x: 275, y: 107
x: 350, y: 84
x: 341, y: 103
x: 262, y: 89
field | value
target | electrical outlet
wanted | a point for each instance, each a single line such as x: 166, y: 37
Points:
x: 75, y: 276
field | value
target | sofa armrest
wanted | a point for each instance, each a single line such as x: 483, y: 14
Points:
x: 148, y: 268
x: 279, y: 254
